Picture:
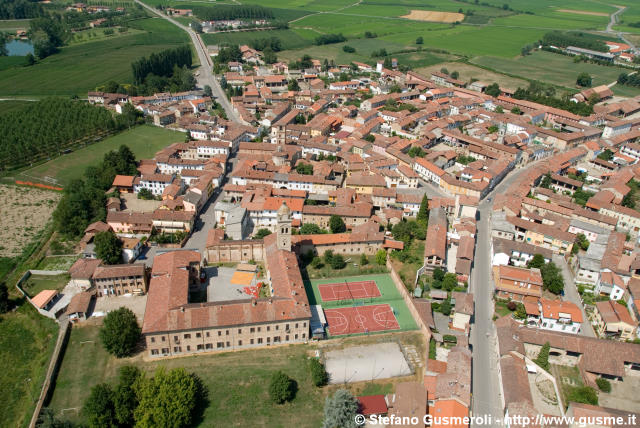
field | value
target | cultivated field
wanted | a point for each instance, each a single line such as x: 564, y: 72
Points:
x: 24, y: 212
x: 552, y: 68
x: 583, y: 12
x: 81, y: 67
x: 144, y: 140
x: 433, y: 16
x: 468, y: 72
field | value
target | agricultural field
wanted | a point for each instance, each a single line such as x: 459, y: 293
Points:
x: 290, y: 39
x: 8, y: 106
x: 552, y: 68
x: 144, y: 140
x: 468, y: 72
x: 82, y: 67
x: 24, y: 212
x: 26, y: 343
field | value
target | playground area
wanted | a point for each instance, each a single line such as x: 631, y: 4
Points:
x: 360, y: 305
x: 348, y: 290
x: 360, y: 319
x: 227, y: 283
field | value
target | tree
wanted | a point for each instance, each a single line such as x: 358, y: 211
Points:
x: 516, y: 110
x: 450, y: 281
x: 536, y: 262
x: 584, y: 80
x: 337, y: 262
x: 552, y: 278
x: 493, y: 90
x: 445, y: 308
x: 336, y: 224
x: 521, y: 312
x: 455, y: 74
x: 419, y: 40
x: 281, y: 388
x: 416, y: 151
x: 499, y: 109
x: 543, y: 356
x: 348, y: 49
x: 261, y: 233
x: 124, y: 396
x: 29, y: 60
x: 145, y: 194
x: 207, y: 91
x: 629, y: 200
x: 546, y: 181
x: 293, y: 85
x: 581, y: 242
x: 98, y: 409
x: 319, y: 375
x: 169, y: 399
x: 340, y: 410
x: 108, y: 247
x: 4, y: 298
x: 364, y: 260
x: 438, y: 274
x: 607, y: 155
x: 423, y: 213
x: 603, y: 384
x: 120, y: 332
x: 381, y: 257
x: 328, y: 256
x: 316, y: 263
x: 304, y: 168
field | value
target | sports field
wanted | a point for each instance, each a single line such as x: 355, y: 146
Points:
x: 144, y: 140
x: 375, y: 306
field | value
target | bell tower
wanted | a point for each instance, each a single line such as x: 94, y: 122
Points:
x: 284, y: 227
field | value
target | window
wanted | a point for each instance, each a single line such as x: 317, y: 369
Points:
x: 165, y: 351
x: 198, y: 334
x: 175, y: 338
x: 228, y: 344
x: 207, y: 334
x: 259, y: 328
x: 268, y: 328
x: 153, y: 340
x: 303, y: 335
x: 200, y: 347
x: 251, y: 342
x: 220, y: 345
x: 219, y: 333
x: 268, y: 340
x: 296, y: 325
x: 227, y: 333
x: 304, y: 324
x: 286, y: 338
x: 277, y: 327
x: 208, y: 346
x: 163, y: 338
x: 259, y: 340
x: 239, y: 331
x: 286, y: 327
x: 252, y: 330
x: 295, y: 337
x: 239, y: 342
x: 188, y: 348
x: 154, y: 352
x: 176, y: 349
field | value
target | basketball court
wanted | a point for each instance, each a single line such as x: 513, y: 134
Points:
x: 361, y: 319
x: 348, y: 290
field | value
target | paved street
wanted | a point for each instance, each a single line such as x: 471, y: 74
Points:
x: 486, y: 390
x: 571, y: 294
x: 206, y: 76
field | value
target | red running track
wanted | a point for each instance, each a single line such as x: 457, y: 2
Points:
x: 360, y: 319
x: 348, y: 290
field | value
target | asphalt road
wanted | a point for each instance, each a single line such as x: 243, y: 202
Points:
x: 571, y: 294
x: 205, y: 76
x: 485, y: 387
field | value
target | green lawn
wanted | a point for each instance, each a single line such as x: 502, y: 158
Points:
x: 144, y: 140
x: 57, y: 262
x: 388, y: 294
x: 237, y: 382
x: 26, y: 343
x: 82, y: 67
x: 326, y: 271
x: 38, y: 283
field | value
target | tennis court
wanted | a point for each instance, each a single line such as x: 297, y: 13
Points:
x: 348, y: 290
x: 361, y: 319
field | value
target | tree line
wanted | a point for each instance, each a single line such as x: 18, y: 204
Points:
x: 221, y: 12
x: 161, y: 63
x: 327, y: 39
x: 578, y: 39
x: 541, y: 93
x: 20, y: 9
x: 629, y: 79
x: 48, y: 127
x: 83, y: 200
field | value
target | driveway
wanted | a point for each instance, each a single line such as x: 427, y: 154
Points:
x: 571, y: 294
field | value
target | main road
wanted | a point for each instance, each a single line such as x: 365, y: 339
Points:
x: 206, y: 76
x: 486, y: 390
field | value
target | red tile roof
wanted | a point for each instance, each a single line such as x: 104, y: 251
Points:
x: 372, y: 405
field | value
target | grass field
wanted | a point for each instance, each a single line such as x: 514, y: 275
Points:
x: 144, y: 140
x: 11, y: 25
x: 290, y: 39
x: 81, y: 67
x: 388, y: 294
x: 552, y: 68
x: 26, y: 343
x: 38, y: 283
x: 237, y: 382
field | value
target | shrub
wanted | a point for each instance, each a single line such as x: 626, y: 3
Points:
x: 282, y: 388
x: 583, y: 394
x: 512, y: 305
x: 543, y: 357
x: 450, y: 338
x: 381, y: 257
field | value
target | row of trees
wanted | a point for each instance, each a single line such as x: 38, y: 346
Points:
x: 162, y: 63
x: 46, y: 128
x: 327, y: 39
x: 223, y: 12
x: 83, y: 201
x: 629, y: 79
x: 20, y: 9
x: 544, y: 94
x: 579, y: 39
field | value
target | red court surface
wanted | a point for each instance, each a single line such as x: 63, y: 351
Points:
x: 348, y: 290
x: 360, y: 319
